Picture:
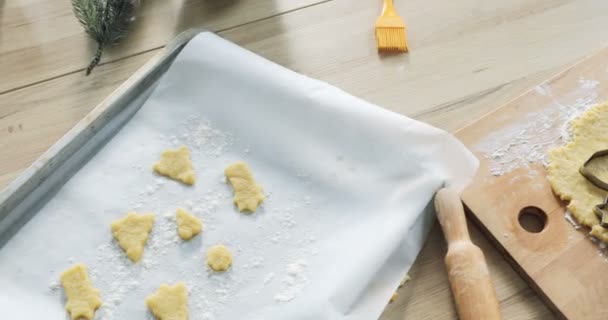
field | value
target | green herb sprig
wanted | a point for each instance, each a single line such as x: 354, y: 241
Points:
x: 106, y: 21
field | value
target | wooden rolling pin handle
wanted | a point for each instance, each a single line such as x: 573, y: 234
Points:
x: 468, y: 273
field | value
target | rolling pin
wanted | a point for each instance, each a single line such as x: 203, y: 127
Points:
x: 468, y: 273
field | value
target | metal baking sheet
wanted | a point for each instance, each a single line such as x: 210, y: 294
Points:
x: 348, y: 187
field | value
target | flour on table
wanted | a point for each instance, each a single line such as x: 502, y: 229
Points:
x: 527, y: 141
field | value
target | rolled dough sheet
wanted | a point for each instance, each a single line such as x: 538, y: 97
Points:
x: 589, y: 136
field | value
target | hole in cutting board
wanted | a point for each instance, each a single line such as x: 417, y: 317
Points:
x: 532, y: 219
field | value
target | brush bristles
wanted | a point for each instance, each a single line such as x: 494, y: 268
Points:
x: 391, y: 39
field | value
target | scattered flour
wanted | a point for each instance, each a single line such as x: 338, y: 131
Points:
x: 268, y: 278
x: 202, y: 137
x: 275, y: 238
x: 256, y: 262
x: 210, y: 293
x: 206, y: 303
x: 293, y: 281
x: 528, y: 140
x: 126, y: 276
x: 54, y: 285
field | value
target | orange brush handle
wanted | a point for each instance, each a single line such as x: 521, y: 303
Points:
x: 388, y: 9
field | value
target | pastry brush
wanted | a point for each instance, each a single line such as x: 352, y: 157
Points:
x: 390, y: 30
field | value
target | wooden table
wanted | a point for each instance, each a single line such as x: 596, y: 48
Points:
x: 467, y: 57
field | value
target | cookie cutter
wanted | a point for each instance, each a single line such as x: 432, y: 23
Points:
x: 601, y: 212
x: 589, y: 175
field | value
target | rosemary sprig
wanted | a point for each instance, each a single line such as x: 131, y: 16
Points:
x: 106, y: 21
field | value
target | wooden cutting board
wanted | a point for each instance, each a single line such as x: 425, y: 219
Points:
x: 567, y: 269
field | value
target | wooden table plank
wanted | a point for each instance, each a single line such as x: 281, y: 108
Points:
x: 447, y: 63
x: 467, y: 58
x: 420, y: 84
x: 31, y: 122
x: 42, y: 39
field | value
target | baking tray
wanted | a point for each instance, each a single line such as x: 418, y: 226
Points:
x: 24, y: 196
x: 349, y: 188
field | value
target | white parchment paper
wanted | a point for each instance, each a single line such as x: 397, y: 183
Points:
x: 349, y: 188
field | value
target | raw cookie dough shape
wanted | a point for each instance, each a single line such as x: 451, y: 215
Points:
x: 589, y: 135
x: 132, y: 232
x: 247, y: 193
x: 169, y: 303
x: 188, y: 225
x: 219, y: 258
x: 396, y: 293
x: 82, y: 298
x: 177, y: 165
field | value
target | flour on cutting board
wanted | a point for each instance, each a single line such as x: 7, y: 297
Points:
x: 527, y: 141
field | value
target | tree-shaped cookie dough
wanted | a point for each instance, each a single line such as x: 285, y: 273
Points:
x: 82, y: 298
x: 247, y: 193
x: 169, y: 303
x: 177, y: 165
x: 219, y: 258
x: 188, y: 225
x: 132, y: 232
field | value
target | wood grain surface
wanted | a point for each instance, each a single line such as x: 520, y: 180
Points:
x: 467, y: 58
x: 556, y: 256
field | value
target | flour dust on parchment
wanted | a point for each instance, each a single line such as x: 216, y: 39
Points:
x: 527, y: 141
x: 202, y: 136
x: 273, y: 264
